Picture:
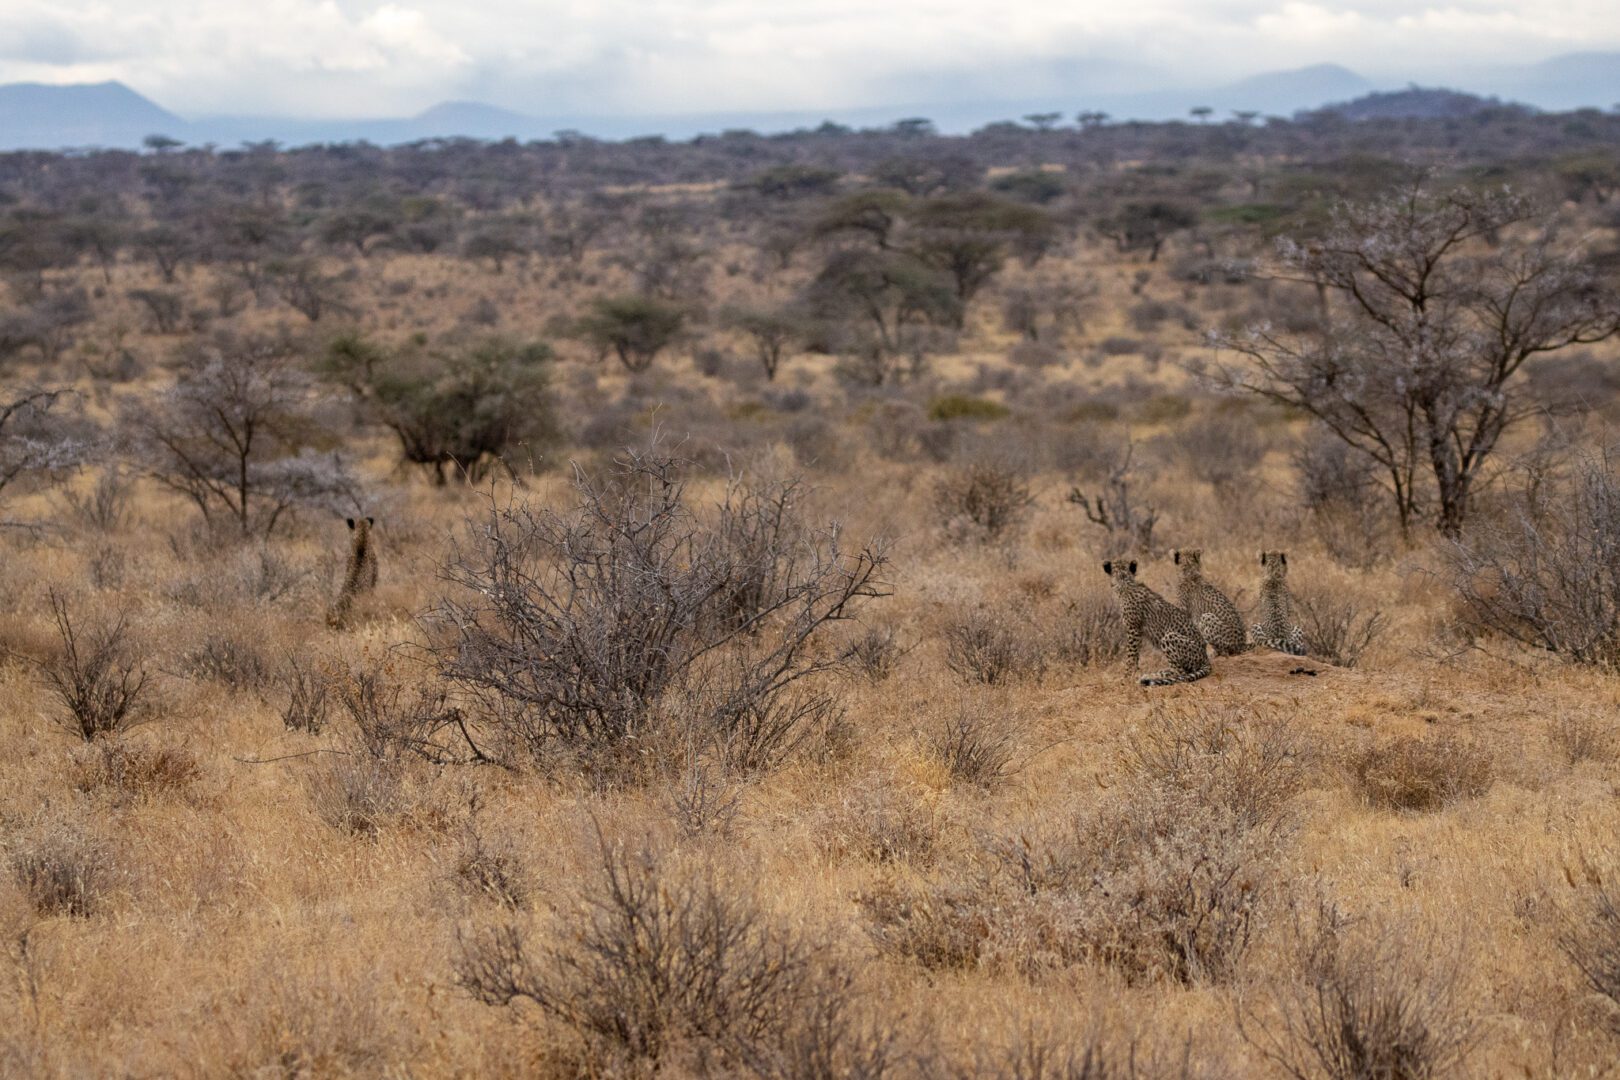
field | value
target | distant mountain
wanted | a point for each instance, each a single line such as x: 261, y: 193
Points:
x: 1572, y: 81
x: 1416, y: 102
x: 110, y: 114
x: 1283, y: 92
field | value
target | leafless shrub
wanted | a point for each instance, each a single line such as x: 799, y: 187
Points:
x: 1421, y: 774
x: 1220, y: 449
x: 230, y: 659
x: 133, y: 770
x: 1170, y: 880
x: 704, y: 803
x: 62, y: 870
x: 1088, y: 632
x: 1116, y: 508
x: 1337, y: 628
x: 1244, y: 763
x: 1338, y: 487
x: 392, y: 717
x: 490, y: 869
x: 1371, y: 1006
x: 357, y: 793
x: 1046, y: 1055
x: 975, y: 748
x: 1582, y: 736
x: 294, y: 1025
x: 101, y: 688
x: 982, y: 500
x: 874, y: 652
x: 984, y: 648
x: 878, y: 821
x: 943, y: 928
x: 106, y: 508
x: 309, y: 696
x: 1546, y: 572
x: 659, y: 967
x: 595, y: 629
x: 1589, y: 934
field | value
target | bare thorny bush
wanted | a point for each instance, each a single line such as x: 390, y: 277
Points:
x: 1170, y: 879
x: 1546, y: 572
x: 664, y: 967
x: 1370, y: 1004
x: 1337, y: 628
x: 627, y: 624
x: 102, y: 687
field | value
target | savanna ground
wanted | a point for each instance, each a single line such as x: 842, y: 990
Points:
x: 964, y: 843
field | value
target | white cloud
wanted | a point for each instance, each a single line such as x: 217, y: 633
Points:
x: 349, y: 57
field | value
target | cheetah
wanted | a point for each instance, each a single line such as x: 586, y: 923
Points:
x: 1277, y: 628
x: 1217, y: 617
x: 361, y: 575
x: 1165, y: 625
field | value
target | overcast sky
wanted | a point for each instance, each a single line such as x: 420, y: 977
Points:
x: 363, y: 57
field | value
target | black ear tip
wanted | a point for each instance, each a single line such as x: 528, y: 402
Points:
x: 1282, y: 557
x: 1133, y: 566
x: 350, y: 521
x: 1108, y: 568
x: 371, y: 521
x: 1175, y: 556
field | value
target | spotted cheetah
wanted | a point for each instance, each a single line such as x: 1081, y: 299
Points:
x: 1217, y: 617
x: 1277, y: 628
x: 1165, y: 626
x: 361, y: 575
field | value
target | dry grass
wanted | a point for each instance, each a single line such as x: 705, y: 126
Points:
x: 995, y: 856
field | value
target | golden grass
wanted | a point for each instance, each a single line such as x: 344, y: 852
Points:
x: 260, y: 904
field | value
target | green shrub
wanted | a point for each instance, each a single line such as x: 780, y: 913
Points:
x: 965, y: 407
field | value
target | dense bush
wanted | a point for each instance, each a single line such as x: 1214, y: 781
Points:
x: 461, y: 407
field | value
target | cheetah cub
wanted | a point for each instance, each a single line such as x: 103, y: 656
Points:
x: 1277, y: 628
x: 1217, y: 617
x: 361, y: 575
x: 1165, y: 626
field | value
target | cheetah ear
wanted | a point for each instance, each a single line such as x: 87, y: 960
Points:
x: 1175, y: 556
x: 1133, y: 566
x: 351, y: 523
x: 1262, y: 558
x: 1282, y: 557
x: 1108, y: 568
x: 371, y: 521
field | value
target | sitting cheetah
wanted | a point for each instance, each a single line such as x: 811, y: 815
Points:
x: 1277, y: 628
x: 361, y: 574
x: 1217, y: 617
x: 1165, y: 625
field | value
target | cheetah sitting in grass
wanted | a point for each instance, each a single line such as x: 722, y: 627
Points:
x: 360, y: 575
x: 1277, y: 628
x: 1217, y: 617
x: 1166, y: 626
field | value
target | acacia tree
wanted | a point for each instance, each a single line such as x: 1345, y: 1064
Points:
x: 635, y: 328
x: 232, y: 435
x: 1431, y: 313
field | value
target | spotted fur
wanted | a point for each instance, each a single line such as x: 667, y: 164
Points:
x: 360, y: 575
x: 1167, y: 627
x: 1277, y: 628
x: 1217, y: 617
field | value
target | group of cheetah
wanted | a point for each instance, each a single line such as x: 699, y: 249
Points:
x: 1206, y: 618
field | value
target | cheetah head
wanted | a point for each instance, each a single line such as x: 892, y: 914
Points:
x: 1191, y: 561
x: 1122, y: 573
x: 1275, y: 564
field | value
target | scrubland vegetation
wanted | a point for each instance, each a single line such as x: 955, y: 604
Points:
x: 741, y: 693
